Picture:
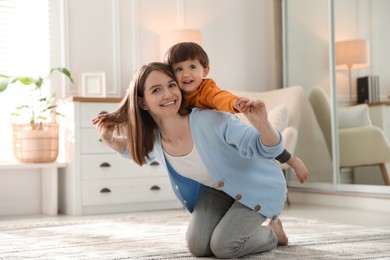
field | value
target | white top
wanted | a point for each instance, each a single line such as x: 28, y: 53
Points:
x: 191, y: 166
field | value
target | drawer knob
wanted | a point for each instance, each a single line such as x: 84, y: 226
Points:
x: 105, y: 190
x: 105, y: 165
x: 155, y: 187
x: 154, y: 163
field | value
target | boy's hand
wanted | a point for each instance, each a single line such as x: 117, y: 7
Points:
x: 240, y: 104
x: 244, y: 104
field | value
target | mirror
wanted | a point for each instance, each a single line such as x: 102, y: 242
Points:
x: 306, y: 63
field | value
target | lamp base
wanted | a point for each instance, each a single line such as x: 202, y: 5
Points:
x: 351, y: 101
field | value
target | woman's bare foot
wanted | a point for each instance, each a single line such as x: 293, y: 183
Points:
x: 279, y: 232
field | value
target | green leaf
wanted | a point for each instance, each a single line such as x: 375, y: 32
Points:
x: 23, y: 80
x: 64, y: 71
x: 15, y: 114
x: 23, y: 106
x: 59, y: 114
x: 37, y: 109
x: 51, y: 107
x: 38, y: 83
x: 3, y: 85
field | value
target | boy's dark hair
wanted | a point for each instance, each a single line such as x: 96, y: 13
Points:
x: 186, y: 51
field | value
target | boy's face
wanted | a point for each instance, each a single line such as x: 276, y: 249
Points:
x: 189, y: 75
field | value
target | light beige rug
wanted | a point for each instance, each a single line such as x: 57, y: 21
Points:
x: 162, y: 237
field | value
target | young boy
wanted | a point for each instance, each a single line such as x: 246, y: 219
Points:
x: 191, y: 65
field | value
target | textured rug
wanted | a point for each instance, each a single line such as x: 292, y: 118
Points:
x: 161, y: 236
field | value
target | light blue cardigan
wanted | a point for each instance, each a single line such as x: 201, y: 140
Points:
x: 234, y: 155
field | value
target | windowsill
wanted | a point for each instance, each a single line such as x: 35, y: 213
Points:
x: 20, y: 165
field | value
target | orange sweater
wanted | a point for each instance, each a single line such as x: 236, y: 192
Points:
x: 210, y: 96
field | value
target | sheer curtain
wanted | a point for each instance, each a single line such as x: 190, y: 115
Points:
x: 24, y: 50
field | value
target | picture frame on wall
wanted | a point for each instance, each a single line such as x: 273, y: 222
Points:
x: 93, y: 84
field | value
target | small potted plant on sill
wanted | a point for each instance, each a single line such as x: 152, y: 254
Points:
x: 37, y: 140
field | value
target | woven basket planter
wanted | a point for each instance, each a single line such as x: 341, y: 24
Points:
x: 35, y: 145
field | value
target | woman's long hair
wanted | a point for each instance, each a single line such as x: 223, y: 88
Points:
x: 140, y: 126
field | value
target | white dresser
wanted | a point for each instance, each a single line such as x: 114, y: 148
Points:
x: 98, y: 180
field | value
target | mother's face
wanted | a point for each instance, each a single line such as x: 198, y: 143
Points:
x: 162, y: 96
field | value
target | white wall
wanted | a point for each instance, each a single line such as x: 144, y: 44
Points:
x: 118, y: 36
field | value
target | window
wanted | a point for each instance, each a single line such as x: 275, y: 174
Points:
x: 24, y: 50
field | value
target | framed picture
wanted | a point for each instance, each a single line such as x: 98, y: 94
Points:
x: 93, y: 84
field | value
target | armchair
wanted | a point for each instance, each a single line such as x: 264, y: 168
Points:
x: 360, y: 142
x: 284, y: 112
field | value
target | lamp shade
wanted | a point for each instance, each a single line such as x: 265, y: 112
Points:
x: 169, y: 38
x: 351, y: 54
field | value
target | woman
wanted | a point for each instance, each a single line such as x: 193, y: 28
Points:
x: 220, y: 169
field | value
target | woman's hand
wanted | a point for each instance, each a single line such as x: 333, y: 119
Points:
x: 106, y: 132
x: 105, y: 129
x: 257, y: 114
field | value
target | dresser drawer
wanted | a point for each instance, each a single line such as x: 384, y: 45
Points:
x: 104, y: 166
x: 91, y: 142
x: 122, y: 191
x: 92, y: 109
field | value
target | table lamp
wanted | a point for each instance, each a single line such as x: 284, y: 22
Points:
x: 169, y: 38
x: 351, y: 55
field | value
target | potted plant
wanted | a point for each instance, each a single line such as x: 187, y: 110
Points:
x: 35, y: 140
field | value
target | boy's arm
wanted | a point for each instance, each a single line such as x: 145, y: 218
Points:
x: 283, y: 157
x: 212, y: 97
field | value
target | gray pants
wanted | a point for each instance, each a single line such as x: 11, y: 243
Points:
x: 223, y: 227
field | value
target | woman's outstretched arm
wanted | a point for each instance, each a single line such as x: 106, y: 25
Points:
x: 106, y: 131
x: 256, y: 112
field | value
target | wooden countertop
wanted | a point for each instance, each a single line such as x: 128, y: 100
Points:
x: 92, y: 99
x: 379, y: 103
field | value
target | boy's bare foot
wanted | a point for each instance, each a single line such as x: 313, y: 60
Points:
x: 299, y: 168
x: 279, y: 232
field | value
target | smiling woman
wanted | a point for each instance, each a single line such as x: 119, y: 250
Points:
x: 24, y: 50
x: 216, y: 164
